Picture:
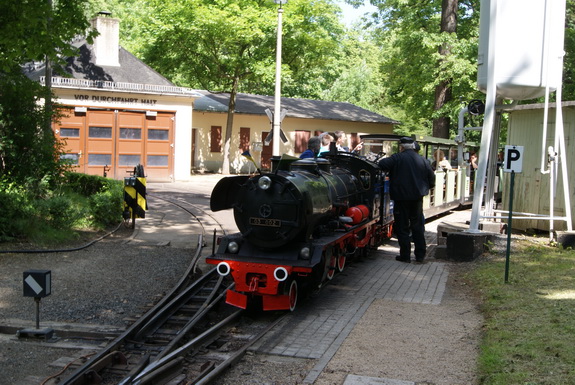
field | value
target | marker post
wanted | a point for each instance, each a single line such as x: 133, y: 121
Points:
x: 508, y: 251
x: 513, y: 163
x: 37, y: 284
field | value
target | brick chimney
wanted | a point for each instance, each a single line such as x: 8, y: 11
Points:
x: 107, y: 43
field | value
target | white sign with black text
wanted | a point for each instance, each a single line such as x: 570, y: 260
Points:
x: 513, y: 161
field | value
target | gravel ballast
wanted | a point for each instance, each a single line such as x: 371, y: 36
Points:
x: 92, y: 289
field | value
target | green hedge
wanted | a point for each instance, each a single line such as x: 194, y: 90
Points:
x: 88, y: 185
x: 80, y: 202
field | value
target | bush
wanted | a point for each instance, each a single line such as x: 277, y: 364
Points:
x: 60, y: 212
x: 88, y: 185
x: 81, y: 202
x: 106, y: 206
x: 105, y: 197
x: 16, y: 212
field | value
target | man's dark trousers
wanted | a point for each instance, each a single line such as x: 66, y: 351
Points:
x: 408, y: 217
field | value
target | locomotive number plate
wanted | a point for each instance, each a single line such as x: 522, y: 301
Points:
x: 265, y: 222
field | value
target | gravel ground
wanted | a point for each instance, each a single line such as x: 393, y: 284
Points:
x: 102, y: 285
x: 95, y: 288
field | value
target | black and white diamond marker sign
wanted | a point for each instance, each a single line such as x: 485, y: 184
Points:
x: 37, y: 283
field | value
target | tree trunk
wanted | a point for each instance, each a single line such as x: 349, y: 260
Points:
x: 443, y: 93
x: 229, y: 127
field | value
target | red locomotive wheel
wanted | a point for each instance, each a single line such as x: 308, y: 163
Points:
x: 341, y: 261
x: 293, y: 295
x: 331, y: 261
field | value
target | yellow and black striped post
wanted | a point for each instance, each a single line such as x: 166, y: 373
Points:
x: 135, y: 198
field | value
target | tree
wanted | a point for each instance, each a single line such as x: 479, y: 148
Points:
x: 415, y: 70
x: 443, y: 91
x: 229, y: 46
x: 569, y: 59
x: 359, y: 81
x: 32, y: 32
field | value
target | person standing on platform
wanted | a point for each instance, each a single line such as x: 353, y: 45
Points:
x: 410, y: 177
x: 313, y: 145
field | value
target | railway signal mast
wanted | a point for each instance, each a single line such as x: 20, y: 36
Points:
x: 528, y: 68
x: 277, y: 102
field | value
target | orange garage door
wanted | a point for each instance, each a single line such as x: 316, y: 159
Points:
x: 112, y: 142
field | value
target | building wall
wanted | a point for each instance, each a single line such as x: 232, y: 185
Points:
x: 531, y: 187
x: 177, y: 108
x: 259, y: 125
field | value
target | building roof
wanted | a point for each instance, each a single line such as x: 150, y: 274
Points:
x: 132, y: 75
x: 82, y: 66
x: 296, y: 108
x: 535, y: 106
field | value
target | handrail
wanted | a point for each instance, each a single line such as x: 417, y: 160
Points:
x: 119, y: 86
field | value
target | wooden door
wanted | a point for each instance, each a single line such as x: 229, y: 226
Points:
x: 130, y: 145
x: 100, y: 143
x: 71, y: 130
x: 159, y: 146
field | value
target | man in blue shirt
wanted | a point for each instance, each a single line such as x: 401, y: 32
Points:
x: 410, y: 177
x: 313, y: 146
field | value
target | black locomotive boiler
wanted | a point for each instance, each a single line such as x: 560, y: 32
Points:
x: 298, y: 225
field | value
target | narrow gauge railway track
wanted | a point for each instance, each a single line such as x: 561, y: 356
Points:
x: 188, y: 337
x: 180, y: 314
x: 181, y: 203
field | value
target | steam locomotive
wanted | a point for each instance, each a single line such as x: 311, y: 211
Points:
x: 299, y: 225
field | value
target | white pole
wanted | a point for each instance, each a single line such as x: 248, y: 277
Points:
x: 277, y: 101
x: 488, y: 122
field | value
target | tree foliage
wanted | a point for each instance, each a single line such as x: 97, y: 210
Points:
x: 229, y: 46
x: 31, y: 31
x: 569, y: 59
x: 412, y: 67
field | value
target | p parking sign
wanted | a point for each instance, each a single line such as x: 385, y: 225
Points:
x: 513, y: 160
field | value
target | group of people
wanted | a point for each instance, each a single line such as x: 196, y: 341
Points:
x: 320, y: 144
x: 440, y: 162
x: 411, y: 178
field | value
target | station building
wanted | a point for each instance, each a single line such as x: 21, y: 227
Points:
x: 303, y: 118
x: 531, y: 187
x: 117, y: 112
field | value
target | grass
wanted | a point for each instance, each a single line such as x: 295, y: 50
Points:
x: 529, y: 335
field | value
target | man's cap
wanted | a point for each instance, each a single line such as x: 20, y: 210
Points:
x: 406, y: 139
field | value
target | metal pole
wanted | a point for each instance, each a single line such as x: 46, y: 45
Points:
x: 489, y: 198
x: 508, y: 251
x: 37, y: 300
x: 277, y: 101
x: 488, y: 122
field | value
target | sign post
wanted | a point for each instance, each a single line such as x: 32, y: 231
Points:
x: 513, y: 162
x: 37, y: 284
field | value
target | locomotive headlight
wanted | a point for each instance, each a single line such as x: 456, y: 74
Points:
x: 223, y: 268
x: 304, y: 253
x: 264, y: 182
x: 233, y: 247
x: 281, y: 274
